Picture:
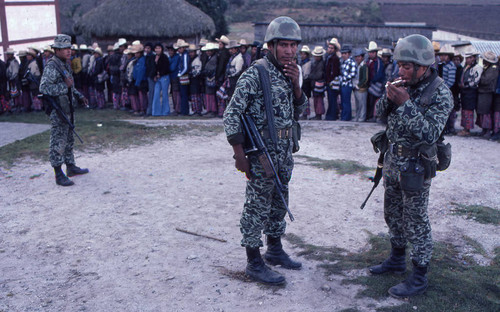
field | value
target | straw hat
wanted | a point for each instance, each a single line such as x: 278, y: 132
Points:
x: 136, y: 42
x: 83, y: 47
x: 10, y: 51
x: 122, y: 41
x: 372, y: 47
x: 74, y: 47
x: 192, y: 47
x: 49, y: 49
x: 223, y: 39
x: 116, y: 46
x: 490, y: 57
x: 22, y: 53
x: 233, y: 44
x: 210, y: 46
x: 470, y: 51
x: 305, y: 49
x: 318, y: 51
x: 335, y: 42
x: 98, y: 50
x: 203, y: 42
x: 138, y: 48
x: 110, y: 48
x: 386, y: 52
x: 32, y: 52
x: 264, y: 47
x: 243, y: 42
x: 181, y: 44
x: 447, y: 49
x: 436, y: 46
x: 460, y: 56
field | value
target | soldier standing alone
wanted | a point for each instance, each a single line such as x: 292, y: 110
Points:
x: 263, y: 210
x: 416, y: 116
x: 57, y: 81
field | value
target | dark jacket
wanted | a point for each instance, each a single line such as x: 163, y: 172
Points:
x: 150, y: 65
x: 332, y: 68
x: 223, y: 59
x: 162, y: 67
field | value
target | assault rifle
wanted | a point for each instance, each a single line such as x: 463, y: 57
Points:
x: 254, y: 144
x: 51, y: 103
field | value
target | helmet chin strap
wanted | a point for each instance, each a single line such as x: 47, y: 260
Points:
x: 414, y: 80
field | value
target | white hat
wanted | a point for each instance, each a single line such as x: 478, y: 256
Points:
x: 223, y: 39
x: 264, y: 47
x: 372, y: 47
x: 305, y: 49
x: 181, y: 43
x: 318, y: 51
x: 335, y: 42
x: 489, y: 56
x: 122, y: 41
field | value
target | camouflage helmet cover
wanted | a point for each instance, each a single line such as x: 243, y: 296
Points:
x: 284, y: 28
x: 415, y: 49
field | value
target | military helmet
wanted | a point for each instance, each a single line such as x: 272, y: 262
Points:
x: 415, y: 49
x: 284, y: 28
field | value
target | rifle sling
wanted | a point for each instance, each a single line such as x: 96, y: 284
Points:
x: 265, y: 83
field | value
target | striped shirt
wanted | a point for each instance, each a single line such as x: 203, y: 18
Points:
x: 449, y: 72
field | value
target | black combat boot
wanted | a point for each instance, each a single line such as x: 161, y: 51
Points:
x: 414, y: 285
x: 258, y: 271
x: 275, y: 255
x: 73, y: 170
x: 61, y: 178
x: 396, y: 263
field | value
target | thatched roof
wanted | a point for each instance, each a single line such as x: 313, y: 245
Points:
x: 151, y: 19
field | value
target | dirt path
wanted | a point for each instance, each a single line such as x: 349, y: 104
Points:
x: 110, y: 242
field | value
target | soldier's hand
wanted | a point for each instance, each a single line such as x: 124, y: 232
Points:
x: 84, y: 102
x: 243, y: 165
x: 398, y: 95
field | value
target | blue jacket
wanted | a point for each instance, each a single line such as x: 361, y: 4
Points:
x: 139, y: 72
x: 174, y: 65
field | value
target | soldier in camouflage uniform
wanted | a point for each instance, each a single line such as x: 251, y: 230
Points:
x: 57, y: 81
x: 263, y: 210
x: 411, y: 123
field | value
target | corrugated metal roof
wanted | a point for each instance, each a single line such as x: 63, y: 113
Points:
x: 483, y: 46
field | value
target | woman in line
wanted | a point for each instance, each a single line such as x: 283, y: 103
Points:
x: 162, y: 80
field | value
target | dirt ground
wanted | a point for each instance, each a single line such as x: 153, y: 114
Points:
x: 109, y: 243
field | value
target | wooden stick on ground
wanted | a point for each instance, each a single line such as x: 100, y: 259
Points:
x: 201, y: 235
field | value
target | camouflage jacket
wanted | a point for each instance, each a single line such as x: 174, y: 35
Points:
x: 52, y: 82
x: 249, y: 98
x: 413, y: 123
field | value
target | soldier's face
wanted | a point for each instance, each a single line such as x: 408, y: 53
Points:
x: 406, y: 72
x: 286, y: 50
x: 64, y: 54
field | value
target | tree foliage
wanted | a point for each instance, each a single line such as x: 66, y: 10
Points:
x: 215, y: 9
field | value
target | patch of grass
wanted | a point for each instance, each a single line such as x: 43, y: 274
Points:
x: 479, y: 213
x: 99, y: 129
x: 341, y: 166
x: 453, y: 285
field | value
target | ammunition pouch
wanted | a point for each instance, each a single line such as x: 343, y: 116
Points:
x: 380, y: 142
x: 412, y: 176
x: 443, y: 155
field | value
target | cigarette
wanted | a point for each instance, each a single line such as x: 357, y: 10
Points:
x: 397, y: 83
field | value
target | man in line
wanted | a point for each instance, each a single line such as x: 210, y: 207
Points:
x: 57, y: 81
x: 416, y: 116
x: 263, y: 210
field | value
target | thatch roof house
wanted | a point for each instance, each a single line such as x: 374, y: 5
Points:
x: 152, y: 20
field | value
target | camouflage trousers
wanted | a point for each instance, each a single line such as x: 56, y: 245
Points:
x: 61, y: 142
x: 405, y: 213
x: 263, y: 211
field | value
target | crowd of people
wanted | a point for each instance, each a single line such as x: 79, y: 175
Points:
x: 154, y: 79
